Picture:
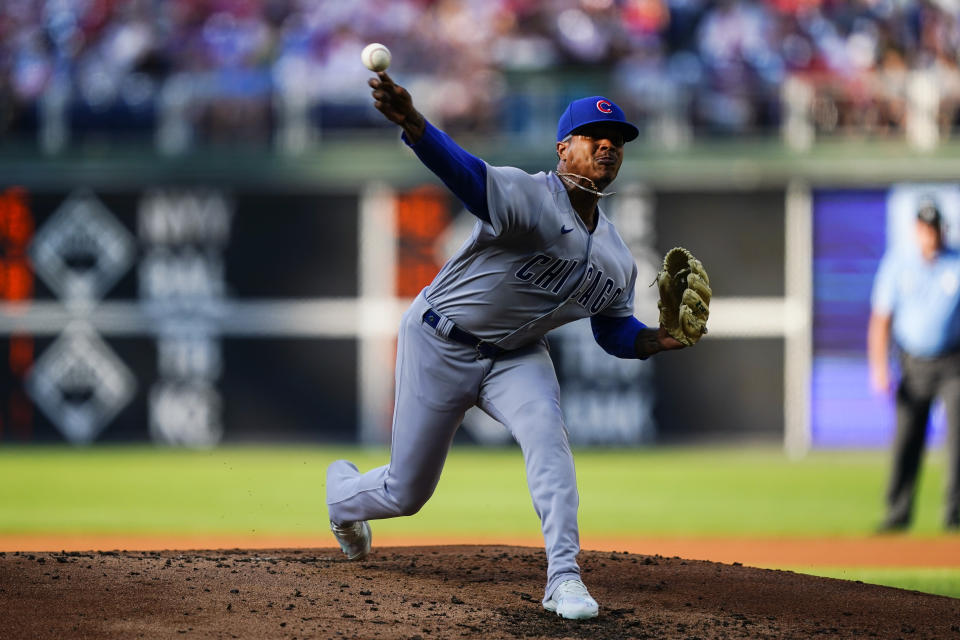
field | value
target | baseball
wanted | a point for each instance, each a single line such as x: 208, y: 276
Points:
x: 376, y: 57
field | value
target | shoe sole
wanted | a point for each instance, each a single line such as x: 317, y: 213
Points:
x: 551, y: 606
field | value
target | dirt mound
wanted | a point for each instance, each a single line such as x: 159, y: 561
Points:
x: 437, y: 592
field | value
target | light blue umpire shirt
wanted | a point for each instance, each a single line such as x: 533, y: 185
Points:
x: 924, y: 298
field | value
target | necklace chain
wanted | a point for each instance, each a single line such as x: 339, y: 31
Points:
x: 568, y: 178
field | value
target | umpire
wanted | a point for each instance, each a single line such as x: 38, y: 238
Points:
x: 916, y: 300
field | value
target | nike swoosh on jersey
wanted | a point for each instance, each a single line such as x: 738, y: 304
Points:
x: 563, y: 229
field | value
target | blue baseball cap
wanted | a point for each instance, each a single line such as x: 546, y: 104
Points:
x: 594, y: 110
x: 929, y: 213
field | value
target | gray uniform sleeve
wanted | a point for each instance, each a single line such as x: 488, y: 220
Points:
x: 623, y: 305
x: 515, y: 200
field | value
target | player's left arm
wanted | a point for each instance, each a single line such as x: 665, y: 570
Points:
x: 627, y: 337
x: 620, y: 334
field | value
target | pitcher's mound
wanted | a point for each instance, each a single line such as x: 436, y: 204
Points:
x: 438, y: 592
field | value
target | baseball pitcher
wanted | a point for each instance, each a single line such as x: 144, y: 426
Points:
x: 542, y: 254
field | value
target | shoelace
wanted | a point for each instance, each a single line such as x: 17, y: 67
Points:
x: 573, y: 588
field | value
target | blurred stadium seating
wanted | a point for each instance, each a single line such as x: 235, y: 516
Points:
x: 184, y: 73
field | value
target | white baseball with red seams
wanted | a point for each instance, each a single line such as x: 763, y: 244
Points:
x: 375, y: 57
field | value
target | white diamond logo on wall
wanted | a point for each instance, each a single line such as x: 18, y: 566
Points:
x: 80, y: 384
x: 82, y: 250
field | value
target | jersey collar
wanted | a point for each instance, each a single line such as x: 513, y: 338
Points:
x: 564, y: 200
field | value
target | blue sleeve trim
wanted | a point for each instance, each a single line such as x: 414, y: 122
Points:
x: 617, y: 335
x: 464, y: 174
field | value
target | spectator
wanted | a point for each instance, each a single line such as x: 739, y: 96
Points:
x: 717, y: 65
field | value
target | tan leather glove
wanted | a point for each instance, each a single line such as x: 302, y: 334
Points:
x: 684, y: 296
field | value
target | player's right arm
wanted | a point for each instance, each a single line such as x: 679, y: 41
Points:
x: 882, y: 300
x: 464, y: 174
x: 395, y: 103
x: 878, y: 351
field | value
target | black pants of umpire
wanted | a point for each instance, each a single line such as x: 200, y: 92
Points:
x: 922, y: 381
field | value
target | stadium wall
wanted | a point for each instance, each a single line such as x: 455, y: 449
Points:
x: 247, y: 297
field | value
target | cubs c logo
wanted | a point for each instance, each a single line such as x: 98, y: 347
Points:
x: 604, y: 106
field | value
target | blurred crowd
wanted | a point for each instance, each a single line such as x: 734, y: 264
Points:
x: 239, y: 69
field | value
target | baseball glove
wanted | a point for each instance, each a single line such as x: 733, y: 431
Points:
x: 684, y: 296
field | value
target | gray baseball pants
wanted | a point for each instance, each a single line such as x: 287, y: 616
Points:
x: 437, y: 380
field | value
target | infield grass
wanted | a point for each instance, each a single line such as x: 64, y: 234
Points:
x: 271, y: 490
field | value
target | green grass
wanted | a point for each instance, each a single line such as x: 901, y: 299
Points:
x: 943, y: 582
x: 281, y: 490
x: 270, y: 490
